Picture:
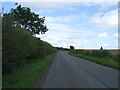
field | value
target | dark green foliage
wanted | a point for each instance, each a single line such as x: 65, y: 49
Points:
x: 61, y: 48
x: 71, y: 47
x: 19, y: 46
x: 24, y: 18
x: 80, y: 52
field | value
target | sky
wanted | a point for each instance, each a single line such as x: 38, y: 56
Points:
x: 84, y: 25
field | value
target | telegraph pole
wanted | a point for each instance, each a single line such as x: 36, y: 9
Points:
x: 2, y: 12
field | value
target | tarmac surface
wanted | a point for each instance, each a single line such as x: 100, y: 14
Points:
x: 68, y: 71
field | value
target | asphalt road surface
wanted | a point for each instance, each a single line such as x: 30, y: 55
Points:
x: 71, y: 72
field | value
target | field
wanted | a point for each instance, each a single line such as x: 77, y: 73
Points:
x: 111, y: 51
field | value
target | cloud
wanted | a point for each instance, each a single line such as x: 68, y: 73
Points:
x: 104, y: 45
x: 106, y: 21
x: 64, y: 36
x: 103, y: 35
x: 66, y: 39
x: 49, y: 7
x: 68, y: 29
x: 117, y: 35
x: 102, y: 5
x: 64, y: 19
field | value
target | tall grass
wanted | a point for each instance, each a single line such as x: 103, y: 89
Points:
x: 27, y: 75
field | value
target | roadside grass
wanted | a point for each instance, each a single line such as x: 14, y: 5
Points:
x: 104, y: 61
x: 28, y: 75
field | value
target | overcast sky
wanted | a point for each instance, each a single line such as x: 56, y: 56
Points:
x: 81, y: 24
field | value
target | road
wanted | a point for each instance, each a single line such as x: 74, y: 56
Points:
x: 71, y: 72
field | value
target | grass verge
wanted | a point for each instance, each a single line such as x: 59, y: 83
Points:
x: 27, y: 75
x: 103, y: 61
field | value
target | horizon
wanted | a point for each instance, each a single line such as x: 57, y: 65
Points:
x: 88, y: 49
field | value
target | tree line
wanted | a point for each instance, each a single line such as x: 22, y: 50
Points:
x: 19, y: 45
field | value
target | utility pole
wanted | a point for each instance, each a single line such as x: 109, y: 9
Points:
x: 2, y: 12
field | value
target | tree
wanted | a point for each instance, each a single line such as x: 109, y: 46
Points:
x: 71, y: 47
x: 24, y: 18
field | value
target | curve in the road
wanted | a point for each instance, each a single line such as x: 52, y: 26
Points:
x: 71, y: 72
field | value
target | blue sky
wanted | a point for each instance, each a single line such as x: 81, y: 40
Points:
x: 81, y: 24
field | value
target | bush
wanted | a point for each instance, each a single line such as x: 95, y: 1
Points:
x: 19, y: 46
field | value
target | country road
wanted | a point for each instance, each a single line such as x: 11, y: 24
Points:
x: 68, y: 71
